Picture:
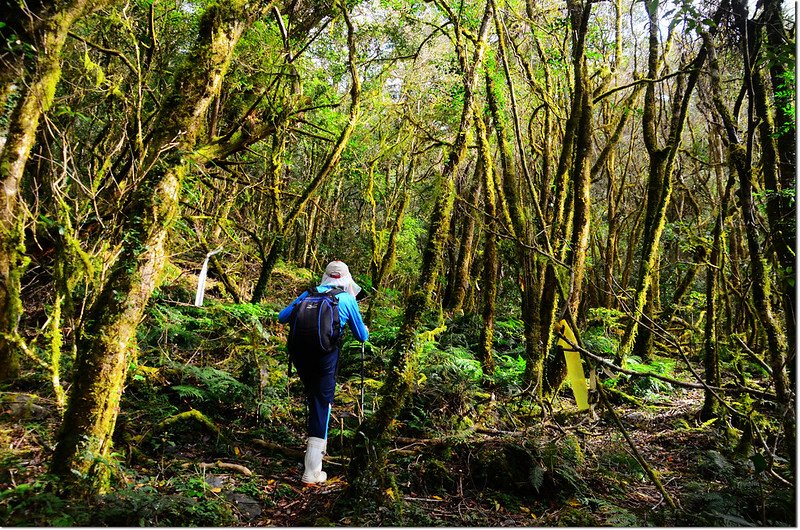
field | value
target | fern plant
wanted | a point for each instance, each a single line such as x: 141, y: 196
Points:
x: 190, y: 392
x: 210, y: 384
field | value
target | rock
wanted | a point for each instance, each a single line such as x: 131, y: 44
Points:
x: 215, y: 481
x: 247, y: 506
x: 23, y: 406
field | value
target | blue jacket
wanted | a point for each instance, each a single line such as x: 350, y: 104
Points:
x: 348, y: 312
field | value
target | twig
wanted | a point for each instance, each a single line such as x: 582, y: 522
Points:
x: 650, y: 472
x: 422, y: 499
x: 750, y: 353
x: 97, y: 47
x: 285, y: 451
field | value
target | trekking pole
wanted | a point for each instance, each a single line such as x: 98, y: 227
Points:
x: 362, y: 382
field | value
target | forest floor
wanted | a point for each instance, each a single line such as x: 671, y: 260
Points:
x: 196, y: 447
x: 259, y: 483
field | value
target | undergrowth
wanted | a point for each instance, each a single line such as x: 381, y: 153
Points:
x: 483, y: 439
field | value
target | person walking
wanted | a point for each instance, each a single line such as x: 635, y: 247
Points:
x: 315, y: 352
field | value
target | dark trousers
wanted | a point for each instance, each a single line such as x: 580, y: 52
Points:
x: 318, y: 375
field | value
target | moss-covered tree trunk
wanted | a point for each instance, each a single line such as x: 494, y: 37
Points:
x: 366, y: 472
x: 489, y: 291
x: 466, y: 249
x: 517, y: 218
x: 710, y: 350
x: 775, y: 110
x: 375, y: 258
x: 570, y: 223
x: 579, y: 12
x: 380, y: 254
x: 329, y: 165
x: 659, y: 190
x: 269, y: 251
x: 615, y: 192
x: 390, y: 255
x: 50, y: 34
x: 109, y: 332
x: 740, y: 158
x: 713, y: 271
x: 659, y: 182
x: 540, y: 284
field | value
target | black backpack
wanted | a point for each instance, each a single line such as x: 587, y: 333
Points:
x: 314, y: 324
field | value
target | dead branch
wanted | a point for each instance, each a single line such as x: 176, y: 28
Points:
x: 223, y: 465
x: 639, y: 458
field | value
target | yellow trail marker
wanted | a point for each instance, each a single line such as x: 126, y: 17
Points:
x: 574, y: 367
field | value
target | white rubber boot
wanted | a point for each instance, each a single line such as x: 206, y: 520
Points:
x: 313, y: 473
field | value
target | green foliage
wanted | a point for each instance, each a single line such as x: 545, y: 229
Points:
x: 649, y: 388
x: 211, y: 384
x: 785, y: 93
x: 273, y: 405
x: 34, y: 504
x: 447, y: 383
x: 189, y: 392
x: 409, y: 250
x: 147, y: 507
x: 611, y: 514
x: 508, y: 334
x: 509, y: 372
x: 178, y: 325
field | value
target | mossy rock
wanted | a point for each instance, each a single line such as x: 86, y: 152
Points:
x: 577, y: 517
x: 433, y: 476
x: 509, y: 466
x: 23, y: 406
x: 131, y: 508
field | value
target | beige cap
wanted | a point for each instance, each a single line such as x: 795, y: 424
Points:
x: 338, y: 275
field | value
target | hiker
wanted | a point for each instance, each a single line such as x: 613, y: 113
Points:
x: 316, y: 367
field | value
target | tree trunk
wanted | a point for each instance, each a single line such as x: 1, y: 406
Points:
x: 41, y: 81
x: 710, y: 352
x: 390, y: 257
x: 571, y: 221
x: 775, y: 147
x: 579, y: 11
x: 518, y: 223
x: 740, y: 161
x: 489, y: 291
x: 659, y: 184
x: 109, y: 332
x: 367, y: 469
x: 466, y: 249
